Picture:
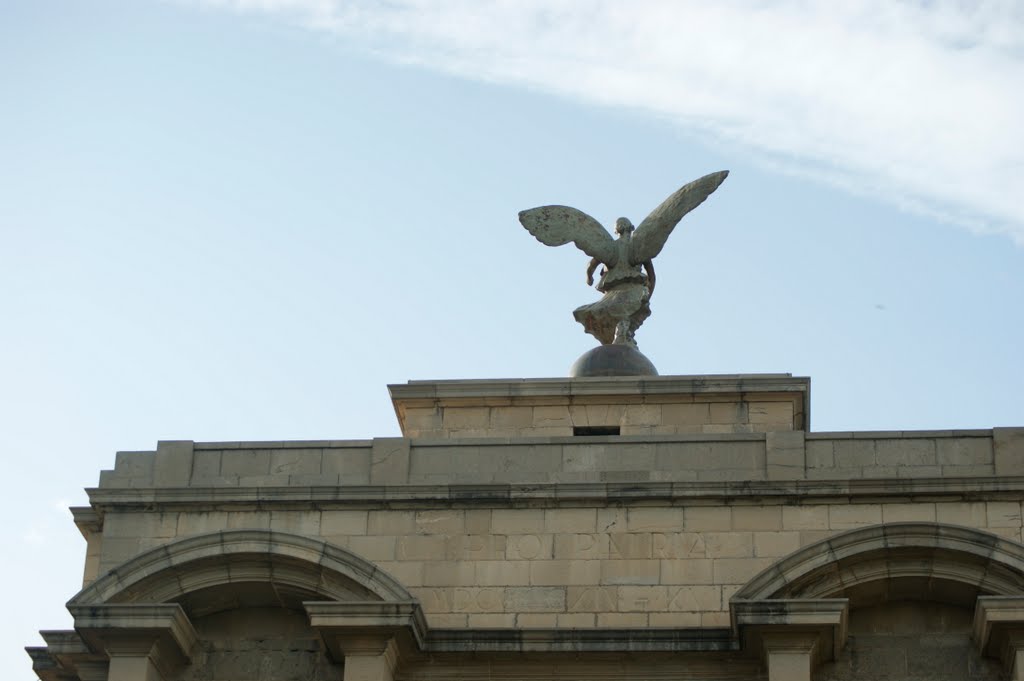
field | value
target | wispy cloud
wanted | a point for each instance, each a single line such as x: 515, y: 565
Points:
x: 920, y: 103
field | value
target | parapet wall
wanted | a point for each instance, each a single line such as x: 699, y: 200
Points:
x: 784, y: 455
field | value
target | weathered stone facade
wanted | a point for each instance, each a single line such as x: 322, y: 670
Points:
x: 678, y: 527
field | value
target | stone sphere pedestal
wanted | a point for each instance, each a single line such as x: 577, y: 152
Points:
x: 612, y: 360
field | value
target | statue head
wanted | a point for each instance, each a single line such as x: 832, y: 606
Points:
x: 623, y: 227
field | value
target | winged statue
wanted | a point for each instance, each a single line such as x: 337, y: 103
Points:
x: 627, y: 278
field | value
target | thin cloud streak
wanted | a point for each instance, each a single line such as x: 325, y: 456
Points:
x: 918, y: 103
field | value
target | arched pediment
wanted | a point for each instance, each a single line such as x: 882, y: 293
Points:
x: 285, y: 561
x: 932, y: 552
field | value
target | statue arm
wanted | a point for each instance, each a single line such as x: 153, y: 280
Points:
x: 649, y: 268
x: 591, y: 268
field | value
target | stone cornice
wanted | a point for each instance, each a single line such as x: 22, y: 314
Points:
x: 560, y: 494
x: 635, y: 385
x: 826, y: 619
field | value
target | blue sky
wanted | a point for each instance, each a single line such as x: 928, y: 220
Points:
x: 242, y: 220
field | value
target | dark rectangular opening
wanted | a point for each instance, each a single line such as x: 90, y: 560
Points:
x: 595, y: 430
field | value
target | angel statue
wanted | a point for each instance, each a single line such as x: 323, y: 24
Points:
x: 627, y: 290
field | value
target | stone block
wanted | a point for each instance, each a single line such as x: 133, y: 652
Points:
x: 116, y: 550
x: 820, y: 454
x: 422, y: 547
x: 630, y: 545
x: 476, y: 547
x: 695, y: 414
x: 492, y: 621
x: 665, y: 519
x: 205, y: 466
x: 622, y: 620
x: 642, y: 598
x: 245, y: 462
x: 586, y: 546
x: 463, y: 418
x: 694, y: 598
x: 373, y: 548
x: 296, y: 461
x: 565, y: 572
x: 738, y: 570
x: 552, y: 417
x: 511, y: 417
x: 701, y: 518
x: 447, y: 522
x: 535, y: 599
x: 757, y: 518
x: 633, y: 456
x: 419, y: 420
x: 517, y: 521
x: 248, y: 520
x: 537, y: 620
x: 674, y: 620
x: 613, y: 518
x: 389, y: 461
x: 407, y: 574
x: 854, y: 453
x: 478, y: 521
x: 578, y: 620
x: 140, y: 525
x: 968, y: 514
x: 785, y: 455
x: 964, y: 451
x: 630, y: 572
x: 1008, y: 450
x: 502, y: 573
x: 719, y: 619
x: 906, y: 452
x: 305, y: 523
x: 565, y: 520
x: 391, y: 522
x: 770, y: 413
x: 201, y: 522
x: 448, y: 573
x: 808, y: 537
x: 692, y: 571
x: 845, y: 517
x: 728, y: 413
x: 1003, y: 514
x: 135, y: 465
x: 677, y: 545
x: 902, y: 513
x: 642, y: 415
x: 775, y: 544
x: 529, y: 547
x: 172, y: 463
x: 728, y: 544
x: 592, y: 598
x: 447, y: 620
x: 744, y: 474
x: 343, y: 522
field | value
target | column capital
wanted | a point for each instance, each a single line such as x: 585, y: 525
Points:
x: 158, y: 632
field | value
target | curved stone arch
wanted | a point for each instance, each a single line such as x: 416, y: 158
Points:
x: 951, y: 553
x: 184, y: 566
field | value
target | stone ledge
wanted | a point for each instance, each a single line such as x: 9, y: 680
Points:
x: 999, y: 628
x: 160, y: 632
x: 826, y: 619
x: 548, y: 495
x: 643, y: 385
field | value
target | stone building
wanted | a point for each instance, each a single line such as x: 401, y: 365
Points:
x: 673, y: 527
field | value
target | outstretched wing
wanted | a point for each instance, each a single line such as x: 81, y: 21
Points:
x: 650, y: 237
x: 558, y: 225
